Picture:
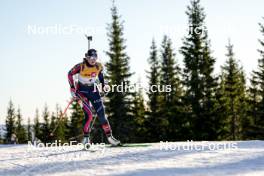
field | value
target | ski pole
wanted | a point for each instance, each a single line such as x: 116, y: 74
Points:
x: 92, y: 124
x: 61, y: 116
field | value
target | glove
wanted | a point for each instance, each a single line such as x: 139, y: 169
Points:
x: 102, y: 94
x: 73, y: 93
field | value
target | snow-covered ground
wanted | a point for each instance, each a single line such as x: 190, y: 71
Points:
x: 231, y: 158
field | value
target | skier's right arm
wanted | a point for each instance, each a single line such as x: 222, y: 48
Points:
x: 75, y: 70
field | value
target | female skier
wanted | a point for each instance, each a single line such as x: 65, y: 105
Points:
x: 89, y: 71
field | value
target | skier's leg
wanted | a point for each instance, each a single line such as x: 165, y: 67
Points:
x: 87, y: 114
x: 100, y: 110
x: 87, y: 120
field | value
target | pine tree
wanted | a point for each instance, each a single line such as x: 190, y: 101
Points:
x: 36, y: 126
x: 198, y: 78
x: 76, y: 118
x: 119, y: 103
x: 45, y: 126
x: 170, y: 96
x: 234, y: 92
x: 153, y: 112
x: 10, y: 121
x: 20, y: 130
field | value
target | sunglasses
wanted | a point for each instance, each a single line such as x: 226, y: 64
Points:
x: 92, y: 58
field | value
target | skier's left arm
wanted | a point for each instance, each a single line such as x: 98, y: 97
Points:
x: 102, y: 81
x: 101, y: 78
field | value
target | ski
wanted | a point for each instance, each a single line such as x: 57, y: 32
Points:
x: 129, y: 145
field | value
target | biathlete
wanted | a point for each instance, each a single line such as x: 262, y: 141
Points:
x: 88, y: 73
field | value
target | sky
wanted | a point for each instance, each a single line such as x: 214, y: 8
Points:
x: 42, y: 40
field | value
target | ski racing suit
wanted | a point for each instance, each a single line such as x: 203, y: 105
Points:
x: 86, y: 91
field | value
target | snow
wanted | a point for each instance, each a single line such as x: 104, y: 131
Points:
x: 239, y: 158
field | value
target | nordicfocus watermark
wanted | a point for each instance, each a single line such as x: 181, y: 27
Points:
x: 197, y: 146
x: 59, y: 145
x: 59, y: 29
x: 174, y: 30
x: 125, y: 87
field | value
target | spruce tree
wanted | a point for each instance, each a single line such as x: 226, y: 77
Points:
x: 244, y: 120
x: 76, y: 118
x: 36, y: 126
x: 170, y: 97
x: 257, y: 93
x: 20, y: 130
x: 209, y: 122
x: 253, y: 128
x: 198, y: 78
x: 253, y: 98
x: 53, y: 124
x: 153, y: 112
x: 234, y: 92
x: 29, y: 131
x: 222, y: 105
x: 1, y: 139
x: 45, y: 126
x: 260, y: 75
x: 139, y: 121
x: 61, y: 132
x: 119, y: 103
x: 10, y: 121
x: 66, y: 129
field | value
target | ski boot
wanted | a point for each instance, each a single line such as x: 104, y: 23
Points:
x: 114, y: 142
x: 86, y: 142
